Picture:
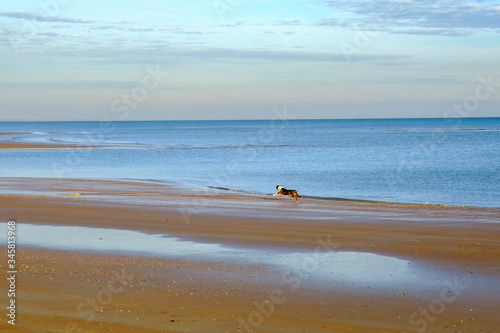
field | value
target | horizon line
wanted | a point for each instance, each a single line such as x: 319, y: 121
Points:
x: 243, y: 119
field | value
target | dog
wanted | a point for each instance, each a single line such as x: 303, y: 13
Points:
x: 284, y: 191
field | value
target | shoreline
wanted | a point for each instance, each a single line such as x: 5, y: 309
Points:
x: 197, y: 213
x: 356, y: 200
x: 456, y: 246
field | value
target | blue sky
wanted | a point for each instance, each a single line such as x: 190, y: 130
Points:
x: 232, y: 59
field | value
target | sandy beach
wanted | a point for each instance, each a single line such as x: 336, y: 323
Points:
x: 314, y: 266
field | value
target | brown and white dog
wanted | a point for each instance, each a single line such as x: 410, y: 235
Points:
x: 284, y: 191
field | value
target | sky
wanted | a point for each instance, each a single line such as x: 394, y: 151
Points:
x: 246, y: 59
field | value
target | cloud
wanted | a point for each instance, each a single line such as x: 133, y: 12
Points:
x: 280, y: 32
x: 234, y: 24
x: 249, y: 54
x: 189, y: 32
x: 67, y: 84
x: 434, y: 32
x: 333, y: 22
x: 294, y: 22
x: 173, y: 56
x: 106, y: 27
x: 42, y: 17
x: 434, y: 14
x: 48, y: 34
x: 7, y: 32
x: 140, y: 29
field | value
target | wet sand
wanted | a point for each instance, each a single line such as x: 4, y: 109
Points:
x: 6, y: 144
x: 452, y: 251
x: 14, y: 144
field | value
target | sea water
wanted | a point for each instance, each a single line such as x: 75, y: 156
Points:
x: 439, y: 161
x: 327, y: 267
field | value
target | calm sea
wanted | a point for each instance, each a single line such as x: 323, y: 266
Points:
x: 445, y: 161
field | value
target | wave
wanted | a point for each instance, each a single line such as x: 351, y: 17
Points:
x: 139, y: 145
x: 398, y: 130
x: 247, y: 146
x: 194, y: 147
x: 450, y: 130
x: 382, y: 202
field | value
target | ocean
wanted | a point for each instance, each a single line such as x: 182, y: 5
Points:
x: 451, y: 161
